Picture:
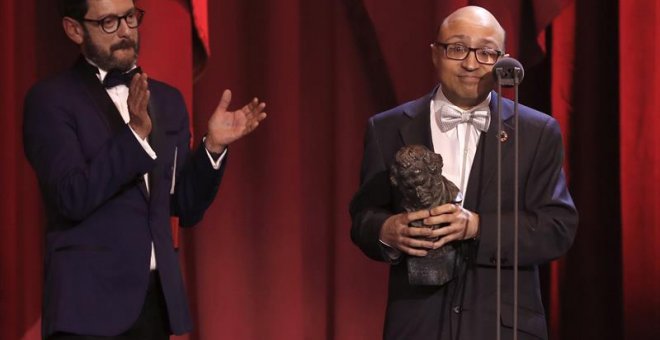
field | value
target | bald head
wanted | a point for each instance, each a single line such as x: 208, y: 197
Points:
x: 471, y: 16
x: 465, y: 78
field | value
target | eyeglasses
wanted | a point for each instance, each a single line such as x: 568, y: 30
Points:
x: 110, y: 23
x: 484, y: 55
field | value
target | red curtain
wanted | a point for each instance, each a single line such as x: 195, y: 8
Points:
x: 562, y: 50
x: 20, y: 208
x: 640, y: 166
x: 272, y: 258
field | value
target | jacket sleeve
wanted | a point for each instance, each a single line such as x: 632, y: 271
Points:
x: 197, y: 181
x: 371, y: 205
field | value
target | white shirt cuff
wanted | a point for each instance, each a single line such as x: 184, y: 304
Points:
x: 144, y: 143
x: 392, y: 253
x: 216, y: 164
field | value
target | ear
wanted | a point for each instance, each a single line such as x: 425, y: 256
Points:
x: 73, y: 30
x: 506, y: 55
x: 434, y: 55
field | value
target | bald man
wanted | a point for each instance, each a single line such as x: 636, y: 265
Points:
x: 458, y: 120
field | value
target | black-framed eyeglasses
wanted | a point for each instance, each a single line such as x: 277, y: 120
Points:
x: 484, y: 55
x: 110, y: 24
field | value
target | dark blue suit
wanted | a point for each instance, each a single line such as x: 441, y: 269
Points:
x: 101, y: 218
x: 465, y: 307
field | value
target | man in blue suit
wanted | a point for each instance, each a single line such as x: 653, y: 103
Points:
x: 110, y: 148
x: 458, y: 120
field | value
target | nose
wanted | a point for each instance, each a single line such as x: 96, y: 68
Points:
x: 470, y: 63
x: 123, y: 30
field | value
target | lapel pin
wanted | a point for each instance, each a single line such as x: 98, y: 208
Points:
x: 503, y: 136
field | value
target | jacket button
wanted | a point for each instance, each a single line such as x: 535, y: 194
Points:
x: 457, y: 309
x: 493, y: 260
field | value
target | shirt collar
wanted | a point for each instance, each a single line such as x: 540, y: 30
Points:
x: 440, y: 100
x: 101, y: 73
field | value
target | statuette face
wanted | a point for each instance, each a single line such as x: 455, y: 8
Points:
x: 417, y: 172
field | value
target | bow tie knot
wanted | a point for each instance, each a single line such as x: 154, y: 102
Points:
x: 451, y: 117
x: 116, y: 78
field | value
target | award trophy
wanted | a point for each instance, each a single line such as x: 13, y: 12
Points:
x: 417, y: 173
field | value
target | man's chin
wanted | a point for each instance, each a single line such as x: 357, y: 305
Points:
x: 124, y: 59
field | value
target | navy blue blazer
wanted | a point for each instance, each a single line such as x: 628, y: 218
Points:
x: 101, y: 220
x: 465, y: 307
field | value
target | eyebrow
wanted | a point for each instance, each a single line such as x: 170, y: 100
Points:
x: 115, y: 15
x: 482, y: 41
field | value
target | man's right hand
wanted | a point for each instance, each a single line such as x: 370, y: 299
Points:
x: 138, y: 100
x: 397, y: 234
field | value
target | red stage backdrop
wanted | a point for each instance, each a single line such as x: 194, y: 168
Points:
x: 272, y: 258
x: 640, y: 166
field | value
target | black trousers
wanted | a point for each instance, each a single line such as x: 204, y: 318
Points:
x: 152, y: 324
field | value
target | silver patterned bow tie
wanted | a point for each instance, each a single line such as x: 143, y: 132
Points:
x: 451, y: 117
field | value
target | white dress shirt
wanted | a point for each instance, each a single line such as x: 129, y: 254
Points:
x: 457, y: 146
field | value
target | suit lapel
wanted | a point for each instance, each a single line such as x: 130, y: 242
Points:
x: 99, y: 95
x: 417, y: 131
x: 106, y: 107
x: 484, y: 169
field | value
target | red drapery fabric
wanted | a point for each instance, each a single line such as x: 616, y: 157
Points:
x: 640, y: 166
x: 272, y: 258
x: 20, y: 246
x: 563, y: 42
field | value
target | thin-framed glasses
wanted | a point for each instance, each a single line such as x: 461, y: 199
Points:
x: 110, y: 24
x: 484, y: 55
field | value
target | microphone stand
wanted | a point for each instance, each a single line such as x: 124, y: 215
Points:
x: 509, y: 77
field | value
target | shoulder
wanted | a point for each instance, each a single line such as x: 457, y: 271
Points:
x: 394, y: 117
x: 530, y: 118
x: 536, y: 127
x: 163, y: 88
x: 538, y: 122
x: 166, y: 99
x: 164, y: 92
x: 55, y: 87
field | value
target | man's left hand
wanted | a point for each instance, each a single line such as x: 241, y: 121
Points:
x: 226, y: 127
x: 462, y: 223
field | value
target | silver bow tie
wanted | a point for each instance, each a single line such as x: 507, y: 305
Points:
x: 451, y: 117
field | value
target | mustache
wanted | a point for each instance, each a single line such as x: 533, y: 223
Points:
x: 124, y: 44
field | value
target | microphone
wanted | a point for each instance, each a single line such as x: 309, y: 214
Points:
x: 510, y: 72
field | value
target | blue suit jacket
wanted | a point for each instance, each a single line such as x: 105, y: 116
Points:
x: 465, y: 307
x: 101, y: 219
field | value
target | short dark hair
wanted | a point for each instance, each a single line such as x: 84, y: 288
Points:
x: 76, y: 9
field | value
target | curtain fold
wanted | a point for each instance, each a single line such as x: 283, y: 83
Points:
x: 20, y: 231
x: 639, y: 42
x: 563, y: 68
x: 273, y: 258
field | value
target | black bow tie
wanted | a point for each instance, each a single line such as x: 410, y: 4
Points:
x: 116, y: 78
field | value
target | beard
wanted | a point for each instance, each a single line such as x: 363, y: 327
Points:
x: 106, y: 60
